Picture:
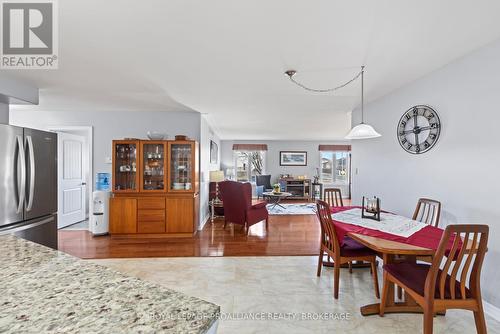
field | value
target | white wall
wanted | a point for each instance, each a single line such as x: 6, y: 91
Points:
x: 112, y: 125
x: 462, y: 170
x: 4, y: 113
x: 207, y: 134
x: 272, y: 165
x: 15, y: 91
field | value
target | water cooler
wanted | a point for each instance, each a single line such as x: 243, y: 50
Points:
x: 99, y: 222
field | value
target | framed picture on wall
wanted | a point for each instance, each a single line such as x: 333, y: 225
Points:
x: 293, y: 158
x: 214, y: 152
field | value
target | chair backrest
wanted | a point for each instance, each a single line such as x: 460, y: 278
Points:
x: 236, y: 198
x: 263, y: 180
x: 328, y: 234
x: 333, y: 197
x: 428, y: 211
x: 460, y: 246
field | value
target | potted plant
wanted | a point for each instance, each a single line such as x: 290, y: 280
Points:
x: 276, y: 188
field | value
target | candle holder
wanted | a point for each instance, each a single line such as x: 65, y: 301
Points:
x: 371, y: 208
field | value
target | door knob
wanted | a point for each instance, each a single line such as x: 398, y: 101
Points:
x: 84, y: 183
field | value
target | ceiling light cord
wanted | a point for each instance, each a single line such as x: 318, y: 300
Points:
x: 362, y: 95
x: 291, y: 73
x: 360, y: 131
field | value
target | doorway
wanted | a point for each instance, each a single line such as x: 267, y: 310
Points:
x: 74, y: 169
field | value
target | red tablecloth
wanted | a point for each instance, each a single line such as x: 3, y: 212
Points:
x: 428, y: 237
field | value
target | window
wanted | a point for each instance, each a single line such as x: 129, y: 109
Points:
x: 334, y: 167
x: 248, y: 164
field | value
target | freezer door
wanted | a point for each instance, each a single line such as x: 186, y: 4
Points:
x: 12, y: 174
x: 40, y: 148
x: 41, y: 230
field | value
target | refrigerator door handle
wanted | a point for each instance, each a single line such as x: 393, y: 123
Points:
x: 29, y: 140
x: 21, y: 188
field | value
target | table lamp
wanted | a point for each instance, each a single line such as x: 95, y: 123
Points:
x: 216, y: 176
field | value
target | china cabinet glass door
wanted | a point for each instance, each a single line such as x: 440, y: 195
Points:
x: 153, y: 167
x: 125, y: 173
x: 181, y: 167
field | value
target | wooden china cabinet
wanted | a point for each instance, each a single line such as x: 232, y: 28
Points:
x: 155, y: 188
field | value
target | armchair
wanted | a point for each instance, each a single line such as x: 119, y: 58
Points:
x: 238, y: 208
x: 263, y: 183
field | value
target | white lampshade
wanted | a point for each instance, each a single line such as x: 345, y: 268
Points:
x: 362, y: 131
x: 216, y: 176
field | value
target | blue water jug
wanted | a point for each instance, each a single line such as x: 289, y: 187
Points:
x: 102, y: 181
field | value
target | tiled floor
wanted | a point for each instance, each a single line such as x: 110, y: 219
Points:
x: 250, y: 285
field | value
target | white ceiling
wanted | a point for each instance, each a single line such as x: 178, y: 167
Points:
x: 226, y: 58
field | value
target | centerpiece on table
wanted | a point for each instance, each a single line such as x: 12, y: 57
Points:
x: 276, y: 188
x: 371, y: 208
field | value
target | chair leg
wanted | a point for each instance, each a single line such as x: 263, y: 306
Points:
x: 225, y: 222
x: 267, y: 223
x: 400, y: 292
x: 336, y: 278
x: 385, y: 294
x: 350, y: 267
x: 428, y: 318
x: 320, y: 261
x: 479, y: 319
x: 247, y: 227
x: 375, y: 278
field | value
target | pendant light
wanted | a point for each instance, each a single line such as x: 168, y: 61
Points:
x: 362, y: 130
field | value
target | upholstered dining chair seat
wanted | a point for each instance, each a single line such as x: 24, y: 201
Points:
x: 352, y: 248
x: 413, y: 275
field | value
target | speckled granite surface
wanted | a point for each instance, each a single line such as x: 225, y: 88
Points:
x: 43, y: 290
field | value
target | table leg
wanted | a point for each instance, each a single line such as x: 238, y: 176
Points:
x: 212, y: 216
x: 278, y: 203
x: 408, y: 306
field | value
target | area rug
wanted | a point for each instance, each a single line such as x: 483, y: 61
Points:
x: 292, y: 209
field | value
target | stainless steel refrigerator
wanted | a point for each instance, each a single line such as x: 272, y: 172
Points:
x: 28, y: 184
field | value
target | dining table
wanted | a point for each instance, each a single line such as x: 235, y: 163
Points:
x: 390, y: 248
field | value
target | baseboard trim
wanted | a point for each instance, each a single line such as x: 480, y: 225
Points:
x: 205, y: 221
x: 491, y: 310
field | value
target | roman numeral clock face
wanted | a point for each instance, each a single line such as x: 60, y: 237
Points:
x: 419, y: 129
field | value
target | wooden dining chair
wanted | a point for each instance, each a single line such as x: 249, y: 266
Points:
x: 333, y: 197
x: 428, y: 211
x: 450, y: 282
x: 350, y: 250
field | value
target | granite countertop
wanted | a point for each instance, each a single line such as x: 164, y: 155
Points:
x: 43, y: 290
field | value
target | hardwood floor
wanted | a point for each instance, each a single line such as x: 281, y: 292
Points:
x: 287, y: 235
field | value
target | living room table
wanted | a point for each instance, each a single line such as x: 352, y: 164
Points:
x: 424, y: 242
x: 215, y: 204
x: 276, y: 198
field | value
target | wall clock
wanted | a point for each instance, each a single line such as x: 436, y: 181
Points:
x: 418, y: 129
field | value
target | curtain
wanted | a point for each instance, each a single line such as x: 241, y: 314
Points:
x: 249, y: 147
x: 333, y: 148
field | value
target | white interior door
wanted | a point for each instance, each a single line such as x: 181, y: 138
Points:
x: 71, y: 179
